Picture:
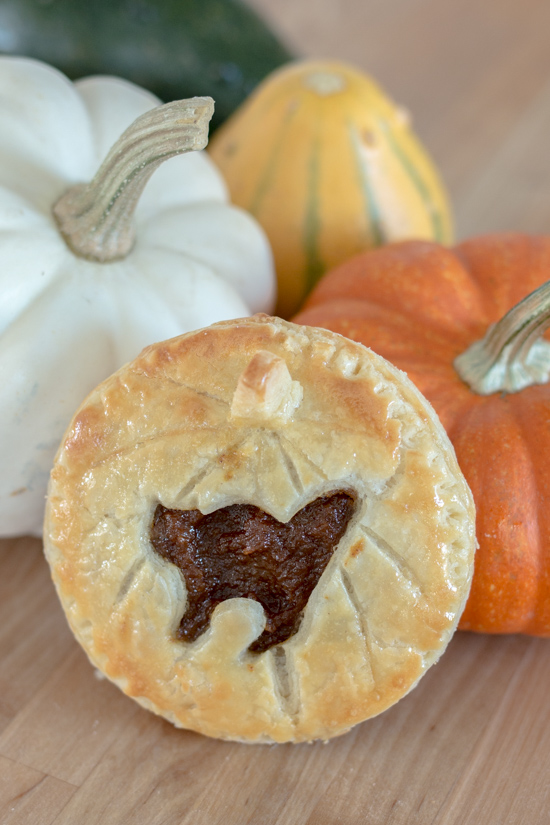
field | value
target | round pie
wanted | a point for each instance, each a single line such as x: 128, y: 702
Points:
x: 260, y: 531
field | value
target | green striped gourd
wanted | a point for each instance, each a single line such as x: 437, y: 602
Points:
x: 329, y: 166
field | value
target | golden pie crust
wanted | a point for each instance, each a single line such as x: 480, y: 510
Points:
x: 263, y: 412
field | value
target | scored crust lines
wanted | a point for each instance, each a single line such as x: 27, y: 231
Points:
x: 182, y: 385
x: 361, y: 616
x: 281, y: 439
x: 292, y: 470
x: 189, y: 488
x: 128, y: 580
x: 285, y: 684
x: 395, y: 559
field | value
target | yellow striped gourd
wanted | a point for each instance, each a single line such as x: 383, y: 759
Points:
x: 329, y: 166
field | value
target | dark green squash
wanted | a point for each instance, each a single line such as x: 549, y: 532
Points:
x: 175, y: 48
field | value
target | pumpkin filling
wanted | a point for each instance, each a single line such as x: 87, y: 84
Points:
x: 241, y: 551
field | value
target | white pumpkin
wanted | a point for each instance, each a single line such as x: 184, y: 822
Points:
x: 70, y: 318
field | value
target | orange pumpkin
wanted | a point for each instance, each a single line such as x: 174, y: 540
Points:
x: 422, y: 307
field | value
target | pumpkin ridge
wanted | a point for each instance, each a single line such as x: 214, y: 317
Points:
x: 449, y: 407
x: 388, y: 331
x: 528, y: 412
x: 60, y: 277
x: 505, y: 583
x: 48, y: 273
x: 399, y: 276
x: 504, y: 268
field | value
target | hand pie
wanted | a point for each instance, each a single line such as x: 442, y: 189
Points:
x: 260, y: 531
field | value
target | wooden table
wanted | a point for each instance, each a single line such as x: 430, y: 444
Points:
x: 471, y: 745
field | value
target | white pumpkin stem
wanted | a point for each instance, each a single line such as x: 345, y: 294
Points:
x: 512, y: 355
x: 96, y: 218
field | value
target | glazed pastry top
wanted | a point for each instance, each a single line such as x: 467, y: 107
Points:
x: 263, y: 413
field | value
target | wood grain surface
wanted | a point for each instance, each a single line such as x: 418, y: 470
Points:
x: 471, y: 744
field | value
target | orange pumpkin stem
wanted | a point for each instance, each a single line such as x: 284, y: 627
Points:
x: 511, y: 356
x: 96, y: 218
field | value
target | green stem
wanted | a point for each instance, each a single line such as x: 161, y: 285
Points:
x: 512, y: 355
x: 96, y: 218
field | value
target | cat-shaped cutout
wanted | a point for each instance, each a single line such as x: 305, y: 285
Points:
x: 241, y: 551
